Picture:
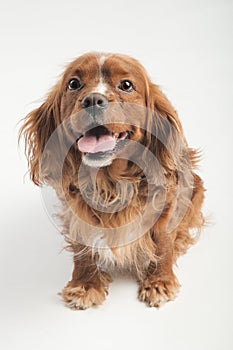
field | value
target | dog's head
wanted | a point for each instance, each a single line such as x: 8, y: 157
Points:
x: 104, y: 100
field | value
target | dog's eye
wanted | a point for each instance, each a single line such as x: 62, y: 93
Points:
x: 126, y: 85
x: 74, y: 84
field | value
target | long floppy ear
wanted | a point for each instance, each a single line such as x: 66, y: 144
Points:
x: 168, y: 144
x: 37, y: 128
x: 166, y: 139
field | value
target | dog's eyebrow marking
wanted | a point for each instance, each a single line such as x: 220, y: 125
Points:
x: 102, y: 87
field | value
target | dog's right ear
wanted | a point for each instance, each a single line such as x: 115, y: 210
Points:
x: 36, y: 130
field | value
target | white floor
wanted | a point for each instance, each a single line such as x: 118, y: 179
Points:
x: 187, y: 48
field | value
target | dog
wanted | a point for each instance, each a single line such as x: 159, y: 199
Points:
x: 111, y: 145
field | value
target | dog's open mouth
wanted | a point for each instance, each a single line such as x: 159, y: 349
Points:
x: 99, y: 144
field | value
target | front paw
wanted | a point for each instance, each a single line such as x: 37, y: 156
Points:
x: 156, y: 292
x: 82, y: 297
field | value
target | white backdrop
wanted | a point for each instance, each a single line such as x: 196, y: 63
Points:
x: 187, y: 48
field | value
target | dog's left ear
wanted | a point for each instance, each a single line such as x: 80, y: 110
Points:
x: 37, y: 128
x: 165, y: 138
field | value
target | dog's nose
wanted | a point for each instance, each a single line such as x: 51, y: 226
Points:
x: 94, y: 103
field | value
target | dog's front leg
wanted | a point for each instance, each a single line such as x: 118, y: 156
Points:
x: 89, y: 285
x: 160, y: 283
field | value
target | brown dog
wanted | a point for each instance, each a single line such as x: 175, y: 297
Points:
x: 124, y: 173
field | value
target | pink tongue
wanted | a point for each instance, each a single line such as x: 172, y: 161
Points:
x: 90, y: 144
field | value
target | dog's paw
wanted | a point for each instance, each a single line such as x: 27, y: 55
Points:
x: 81, y: 297
x: 156, y: 292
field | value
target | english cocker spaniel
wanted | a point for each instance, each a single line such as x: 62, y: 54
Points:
x: 111, y: 145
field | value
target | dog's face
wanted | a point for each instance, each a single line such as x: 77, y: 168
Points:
x: 100, y: 95
x: 99, y: 89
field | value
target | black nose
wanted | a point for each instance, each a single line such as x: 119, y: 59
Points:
x: 94, y: 103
